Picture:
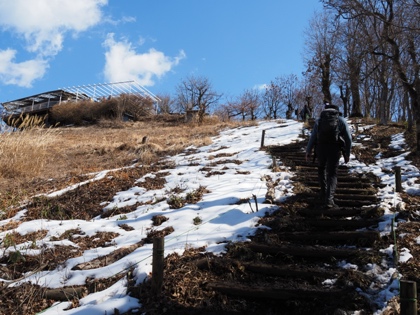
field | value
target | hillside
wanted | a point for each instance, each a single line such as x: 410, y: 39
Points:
x: 90, y: 228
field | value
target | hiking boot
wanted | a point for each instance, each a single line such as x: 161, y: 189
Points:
x: 321, y: 198
x: 331, y: 205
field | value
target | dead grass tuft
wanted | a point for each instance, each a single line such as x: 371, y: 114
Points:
x: 149, y: 147
x: 23, y: 155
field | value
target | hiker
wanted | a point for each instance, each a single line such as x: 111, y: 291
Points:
x: 289, y: 111
x: 305, y: 113
x: 331, y: 137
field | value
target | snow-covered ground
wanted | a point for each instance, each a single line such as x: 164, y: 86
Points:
x: 222, y: 217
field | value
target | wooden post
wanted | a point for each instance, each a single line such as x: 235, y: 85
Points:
x: 398, y: 187
x: 395, y: 255
x: 408, y: 297
x: 255, y: 200
x: 157, y: 264
x: 262, y: 139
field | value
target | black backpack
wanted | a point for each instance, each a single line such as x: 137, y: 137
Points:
x: 328, y: 131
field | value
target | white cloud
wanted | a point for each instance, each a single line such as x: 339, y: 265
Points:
x: 123, y: 63
x: 23, y: 73
x: 125, y: 19
x: 141, y: 40
x: 261, y: 87
x: 128, y: 19
x: 42, y: 24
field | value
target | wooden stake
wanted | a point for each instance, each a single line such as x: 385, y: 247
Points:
x: 398, y: 187
x: 157, y: 265
x: 262, y: 139
x: 255, y: 200
x: 408, y: 297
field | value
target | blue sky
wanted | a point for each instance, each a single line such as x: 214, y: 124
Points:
x: 236, y: 44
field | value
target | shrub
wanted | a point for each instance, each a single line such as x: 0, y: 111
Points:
x: 176, y: 202
x: 90, y: 112
x: 79, y: 113
x: 197, y: 220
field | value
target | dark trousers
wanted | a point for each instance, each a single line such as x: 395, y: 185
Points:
x: 328, y: 159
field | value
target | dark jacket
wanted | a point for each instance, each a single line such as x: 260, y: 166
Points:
x: 344, y: 133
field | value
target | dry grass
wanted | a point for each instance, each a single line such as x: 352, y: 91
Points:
x: 35, y: 160
x: 23, y: 154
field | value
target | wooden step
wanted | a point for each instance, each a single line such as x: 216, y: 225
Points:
x: 307, y: 178
x: 353, y: 203
x: 316, y: 251
x: 292, y: 271
x: 348, y: 191
x: 365, y: 238
x: 366, y: 212
x: 313, y: 182
x: 276, y: 270
x: 275, y: 293
x: 337, y: 224
x: 347, y: 197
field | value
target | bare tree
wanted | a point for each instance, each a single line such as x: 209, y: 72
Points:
x: 166, y: 104
x: 280, y: 97
x: 250, y: 101
x: 246, y: 105
x: 240, y: 109
x: 197, y: 93
x: 396, y: 27
x: 308, y: 90
x: 353, y: 52
x: 133, y: 105
x: 223, y: 112
x: 288, y: 85
x: 233, y: 108
x: 321, y: 40
x: 271, y: 100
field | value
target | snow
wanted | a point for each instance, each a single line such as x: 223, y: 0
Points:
x: 223, y: 218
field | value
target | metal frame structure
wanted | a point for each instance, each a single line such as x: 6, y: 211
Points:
x: 37, y: 103
x: 96, y: 92
x: 106, y: 90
